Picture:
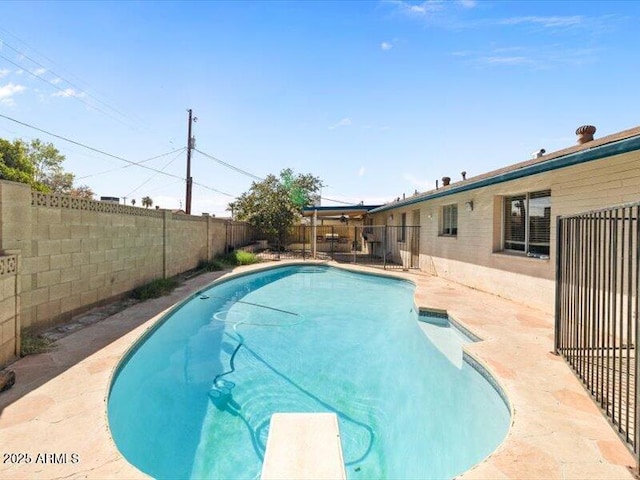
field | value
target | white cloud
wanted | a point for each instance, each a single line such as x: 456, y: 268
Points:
x: 419, y: 10
x: 8, y: 91
x: 19, y: 72
x: 68, y: 92
x: 386, y: 46
x: 345, y: 122
x: 497, y: 60
x: 56, y: 80
x: 540, y: 57
x: 468, y: 3
x: 361, y: 171
x: 4, y: 72
x: 418, y: 182
x: 547, y: 22
x: 39, y: 71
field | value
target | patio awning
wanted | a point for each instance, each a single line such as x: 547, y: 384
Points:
x: 351, y: 211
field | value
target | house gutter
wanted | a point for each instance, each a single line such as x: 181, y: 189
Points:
x: 615, y: 148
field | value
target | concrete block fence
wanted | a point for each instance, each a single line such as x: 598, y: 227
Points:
x: 60, y: 256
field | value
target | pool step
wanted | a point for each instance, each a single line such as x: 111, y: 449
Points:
x: 303, y: 446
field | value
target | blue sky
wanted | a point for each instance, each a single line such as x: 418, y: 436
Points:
x: 376, y: 98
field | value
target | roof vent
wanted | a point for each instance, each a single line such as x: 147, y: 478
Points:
x: 446, y: 181
x: 585, y: 133
x: 539, y: 153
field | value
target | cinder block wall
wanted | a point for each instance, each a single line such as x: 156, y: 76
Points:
x: 76, y: 254
x: 9, y: 318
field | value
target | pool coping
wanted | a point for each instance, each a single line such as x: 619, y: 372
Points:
x: 595, y: 451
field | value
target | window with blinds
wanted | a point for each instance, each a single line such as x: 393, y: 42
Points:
x: 527, y: 223
x: 450, y: 220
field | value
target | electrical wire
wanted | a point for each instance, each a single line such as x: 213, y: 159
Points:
x: 24, y: 55
x: 153, y: 176
x: 109, y: 154
x: 137, y: 163
x: 255, y: 177
x: 228, y: 165
x: 64, y: 92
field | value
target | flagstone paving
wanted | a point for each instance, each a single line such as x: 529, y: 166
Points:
x: 58, y: 404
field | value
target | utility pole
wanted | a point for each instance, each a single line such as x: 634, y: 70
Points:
x: 190, y: 143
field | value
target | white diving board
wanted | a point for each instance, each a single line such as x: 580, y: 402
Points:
x: 303, y: 446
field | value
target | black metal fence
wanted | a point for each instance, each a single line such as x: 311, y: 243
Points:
x: 384, y: 246
x: 596, y: 314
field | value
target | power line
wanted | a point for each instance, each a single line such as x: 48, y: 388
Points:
x: 106, y: 154
x: 337, y: 201
x: 64, y: 92
x: 255, y: 177
x: 152, y: 176
x: 24, y: 55
x: 228, y: 165
x: 127, y: 166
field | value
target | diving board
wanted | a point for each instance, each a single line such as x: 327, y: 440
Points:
x: 303, y: 446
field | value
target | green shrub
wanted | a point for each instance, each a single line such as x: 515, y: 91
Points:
x: 31, y: 344
x: 245, y: 258
x: 238, y: 257
x: 210, y: 266
x: 154, y: 289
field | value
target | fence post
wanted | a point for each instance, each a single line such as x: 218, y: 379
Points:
x: 226, y: 237
x: 559, y: 280
x: 384, y: 247
x: 636, y: 403
x: 355, y: 242
x: 332, y: 241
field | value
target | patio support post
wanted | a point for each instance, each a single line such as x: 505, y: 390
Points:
x: 314, y: 231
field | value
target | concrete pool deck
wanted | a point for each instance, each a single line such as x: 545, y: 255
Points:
x: 57, y: 406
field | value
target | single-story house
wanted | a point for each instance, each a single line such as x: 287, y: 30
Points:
x: 496, y: 232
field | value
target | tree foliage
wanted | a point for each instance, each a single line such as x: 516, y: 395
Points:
x: 147, y: 202
x: 38, y: 164
x: 274, y: 204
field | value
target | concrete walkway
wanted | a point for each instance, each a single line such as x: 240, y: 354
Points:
x: 58, y: 405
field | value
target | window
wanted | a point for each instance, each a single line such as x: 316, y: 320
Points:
x: 450, y: 220
x: 402, y: 236
x: 368, y: 226
x: 527, y: 223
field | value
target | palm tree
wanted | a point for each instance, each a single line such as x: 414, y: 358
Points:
x: 147, y: 202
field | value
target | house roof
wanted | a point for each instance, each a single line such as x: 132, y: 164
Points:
x: 617, y: 143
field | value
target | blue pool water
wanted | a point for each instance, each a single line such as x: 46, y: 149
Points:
x: 194, y: 399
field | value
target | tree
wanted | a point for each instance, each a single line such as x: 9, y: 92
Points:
x: 39, y: 165
x: 274, y: 204
x: 83, y: 191
x: 133, y: 201
x: 147, y: 202
x: 16, y: 166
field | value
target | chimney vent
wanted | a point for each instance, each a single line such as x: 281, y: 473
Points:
x: 585, y: 133
x: 446, y: 181
x: 464, y: 175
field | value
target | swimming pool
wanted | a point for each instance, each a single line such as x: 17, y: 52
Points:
x: 194, y: 398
